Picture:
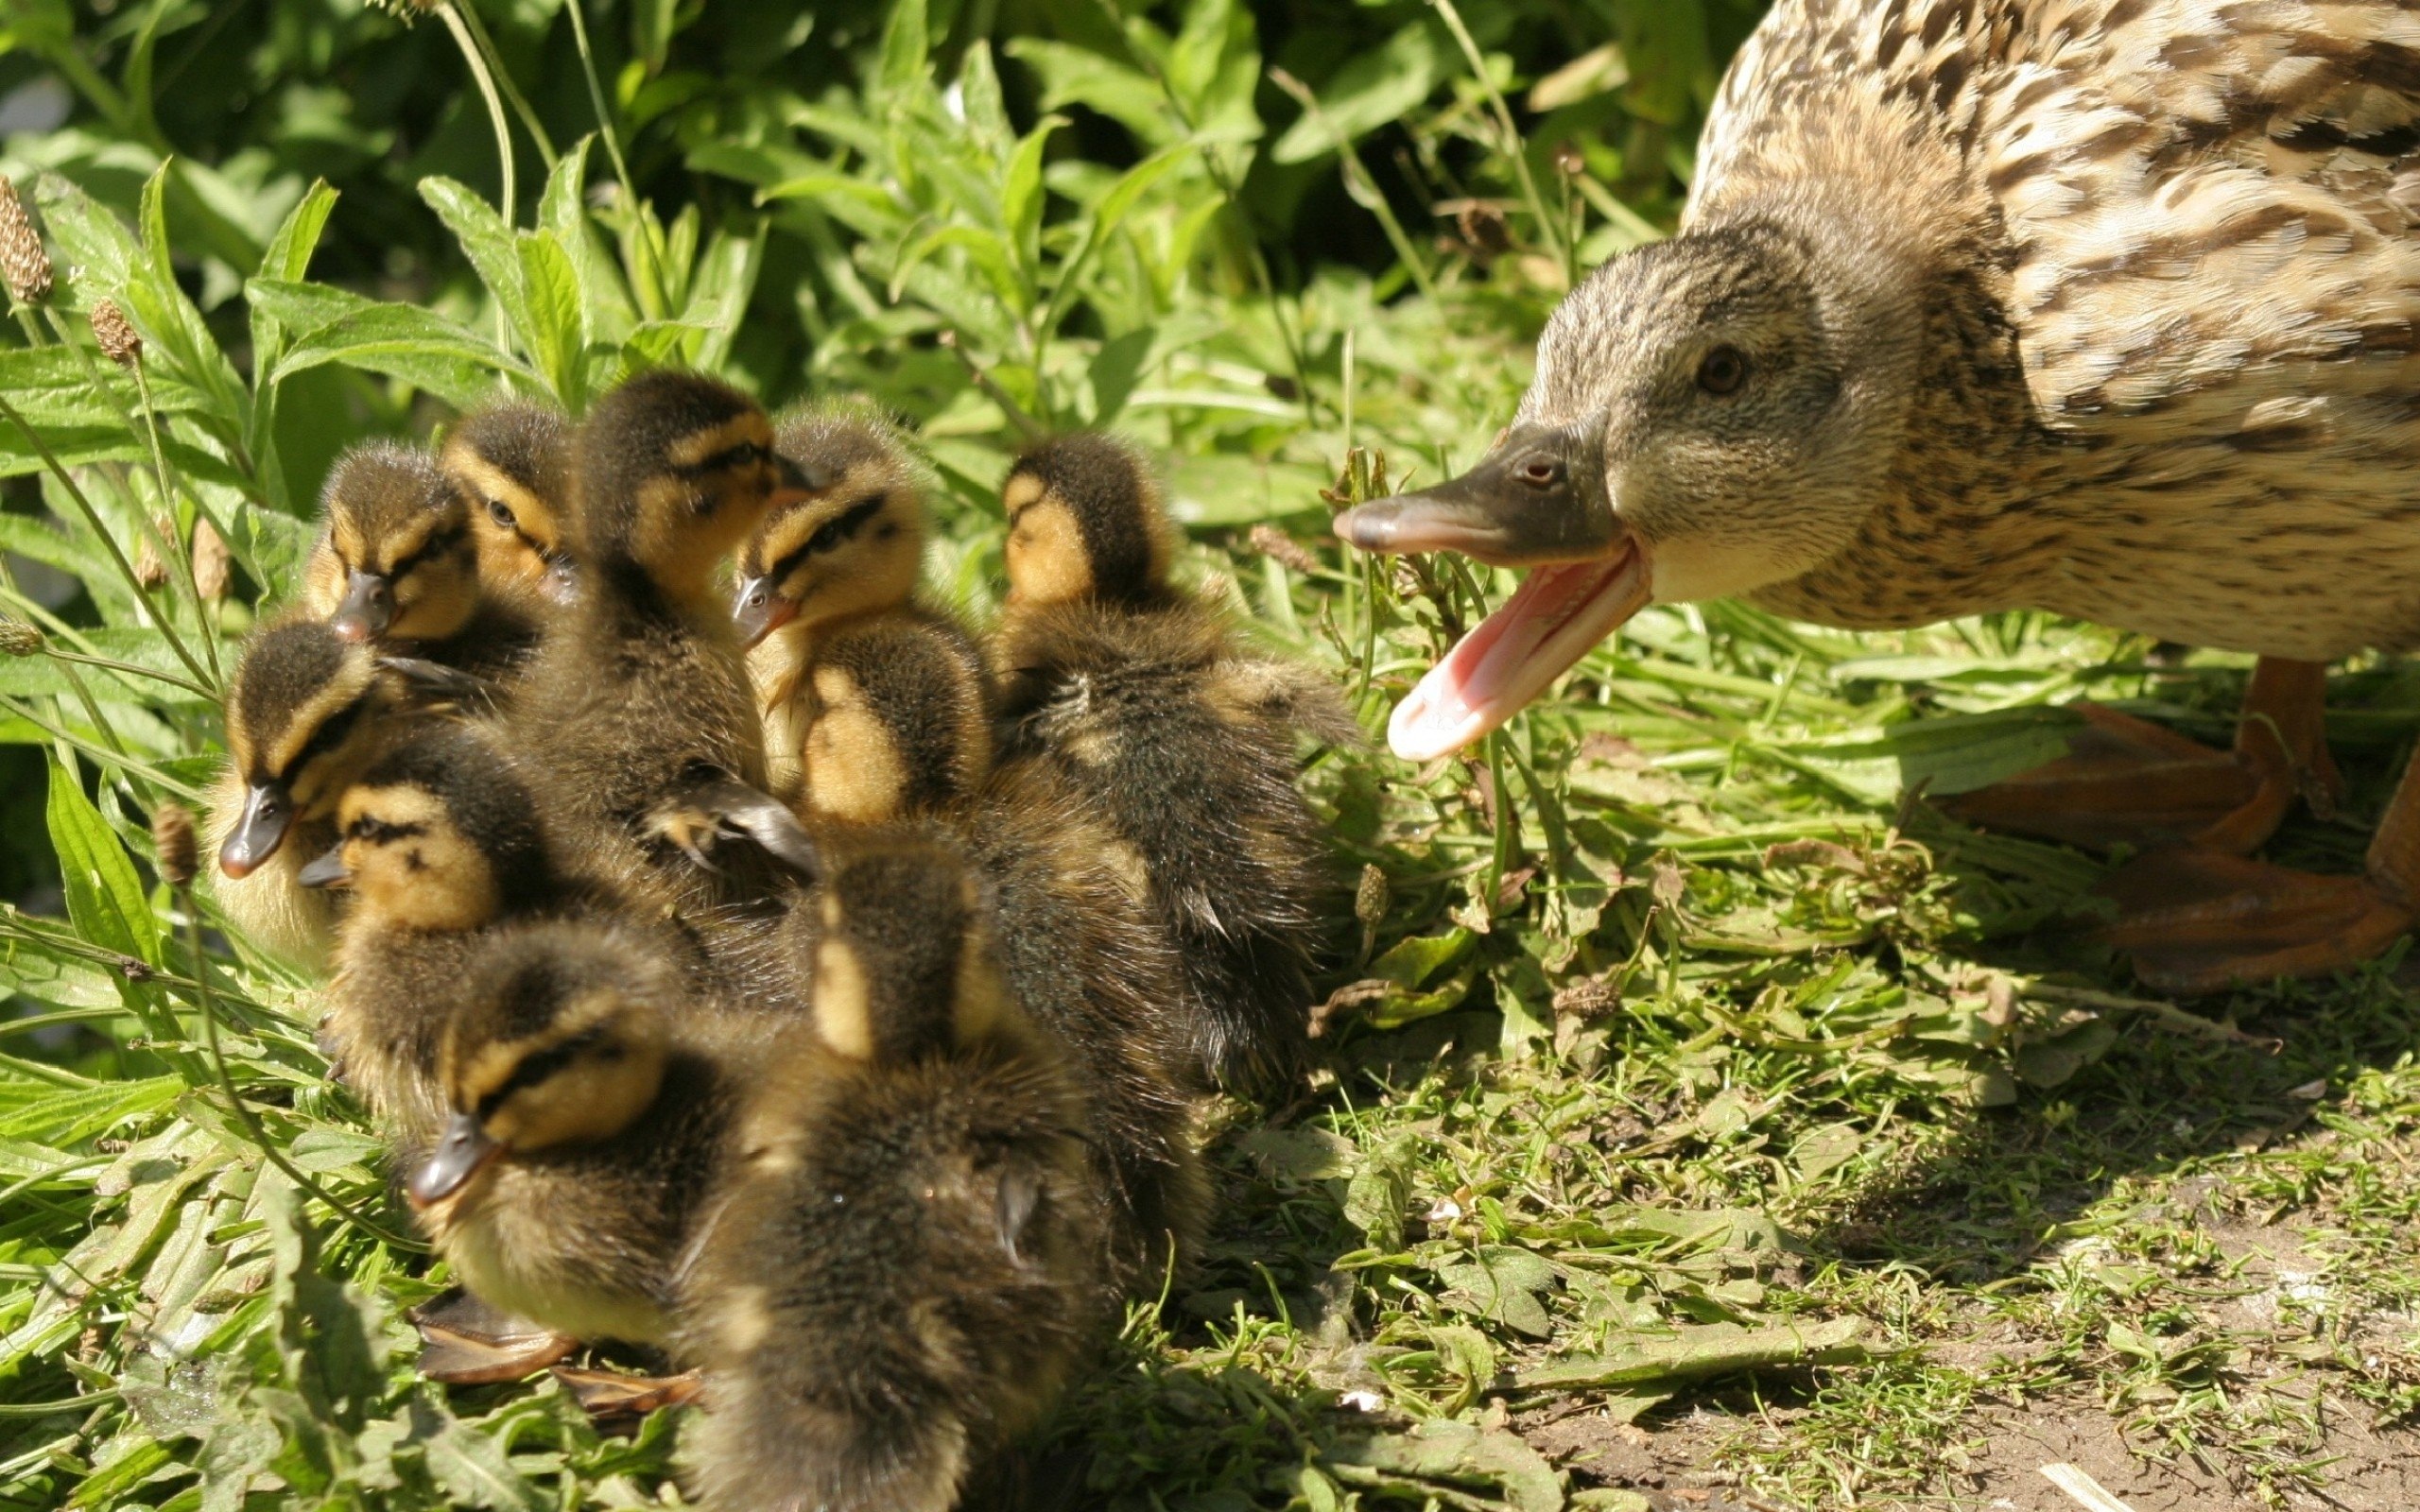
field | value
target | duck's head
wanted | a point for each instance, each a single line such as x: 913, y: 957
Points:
x: 394, y: 560
x: 303, y: 715
x: 560, y: 1039
x: 1084, y: 522
x: 851, y: 548
x: 675, y: 470
x: 904, y: 963
x: 1711, y: 415
x: 512, y: 466
x: 901, y: 723
x: 437, y: 834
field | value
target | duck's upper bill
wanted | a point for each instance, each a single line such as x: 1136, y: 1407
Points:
x: 1535, y: 502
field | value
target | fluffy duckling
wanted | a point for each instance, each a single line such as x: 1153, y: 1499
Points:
x: 842, y: 558
x: 305, y: 709
x: 1141, y: 695
x: 395, y: 565
x: 591, y: 1101
x: 901, y: 734
x: 510, y: 464
x: 435, y: 841
x: 909, y: 1263
x: 637, y: 700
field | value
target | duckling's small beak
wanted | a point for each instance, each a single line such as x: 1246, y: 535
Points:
x: 367, y: 607
x: 1539, y: 501
x: 463, y: 1152
x: 561, y: 583
x: 327, y: 871
x: 260, y: 829
x: 759, y: 610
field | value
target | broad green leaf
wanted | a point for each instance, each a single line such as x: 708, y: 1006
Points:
x: 487, y: 241
x: 474, y: 1472
x: 419, y: 346
x: 105, y: 897
x: 63, y: 1116
x: 557, y: 334
x: 986, y: 249
x: 1105, y: 218
x: 1696, y: 1352
x: 563, y: 210
x: 719, y: 294
x: 287, y: 259
x: 164, y: 315
x: 903, y: 50
x: 1021, y: 196
x: 1371, y: 91
x: 1079, y: 75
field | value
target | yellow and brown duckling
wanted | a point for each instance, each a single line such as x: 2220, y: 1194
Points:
x: 591, y: 1100
x: 306, y: 709
x: 2106, y: 309
x: 907, y: 1263
x: 902, y: 736
x: 841, y: 558
x: 510, y: 463
x: 1143, y: 697
x: 637, y: 700
x: 395, y: 565
x: 437, y: 840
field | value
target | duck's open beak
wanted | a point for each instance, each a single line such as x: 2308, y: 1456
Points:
x: 759, y: 610
x: 463, y: 1152
x: 368, y: 609
x: 328, y: 870
x: 260, y: 829
x: 1537, y: 501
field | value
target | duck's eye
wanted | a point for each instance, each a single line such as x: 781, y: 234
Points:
x: 1722, y: 371
x: 1540, y: 472
x: 501, y: 513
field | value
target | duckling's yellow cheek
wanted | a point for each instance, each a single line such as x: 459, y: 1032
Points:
x: 852, y: 762
x: 1047, y: 560
x: 843, y: 1013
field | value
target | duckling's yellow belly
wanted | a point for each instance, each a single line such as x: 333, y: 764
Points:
x: 510, y: 1256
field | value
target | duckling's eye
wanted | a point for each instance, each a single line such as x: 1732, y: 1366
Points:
x: 501, y: 513
x: 848, y: 523
x: 1722, y: 371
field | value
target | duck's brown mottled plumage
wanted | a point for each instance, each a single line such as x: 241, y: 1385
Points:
x: 2160, y: 289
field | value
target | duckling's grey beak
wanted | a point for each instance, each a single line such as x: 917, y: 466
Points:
x: 260, y: 829
x: 463, y: 1152
x: 1538, y: 497
x: 326, y: 871
x: 562, y: 582
x: 759, y: 610
x: 368, y: 607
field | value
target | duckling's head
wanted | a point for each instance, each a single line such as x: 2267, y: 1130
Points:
x: 560, y: 1039
x: 394, y: 560
x: 435, y: 834
x: 1084, y: 522
x: 1711, y: 415
x: 511, y: 465
x: 904, y: 965
x: 675, y: 469
x: 853, y: 546
x: 303, y: 711
x: 901, y: 723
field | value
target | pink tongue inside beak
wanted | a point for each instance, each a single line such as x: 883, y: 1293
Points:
x: 1557, y: 614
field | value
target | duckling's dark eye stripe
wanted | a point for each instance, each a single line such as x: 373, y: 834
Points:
x: 438, y: 540
x: 834, y: 532
x: 330, y: 734
x: 729, y: 456
x: 537, y: 1066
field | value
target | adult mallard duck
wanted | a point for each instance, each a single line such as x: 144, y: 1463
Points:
x: 2104, y: 307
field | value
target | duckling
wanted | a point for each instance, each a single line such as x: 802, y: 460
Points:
x: 907, y: 1265
x: 1142, y: 697
x: 395, y: 565
x: 305, y: 709
x: 637, y: 701
x: 2104, y: 309
x: 901, y: 734
x: 437, y: 840
x: 591, y: 1102
x: 843, y: 556
x: 510, y: 463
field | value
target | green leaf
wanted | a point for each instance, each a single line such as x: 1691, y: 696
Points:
x: 557, y: 334
x: 1021, y: 194
x: 418, y: 346
x: 1105, y: 218
x: 563, y: 210
x: 161, y: 310
x: 105, y: 897
x: 474, y: 1471
x: 1441, y: 1453
x: 1713, y: 1349
x: 904, y: 49
x: 1371, y: 91
x: 487, y: 241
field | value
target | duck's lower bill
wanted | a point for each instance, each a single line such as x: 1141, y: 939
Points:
x: 1559, y: 612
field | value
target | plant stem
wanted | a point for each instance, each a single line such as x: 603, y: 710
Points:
x: 503, y: 81
x: 131, y: 669
x: 1359, y: 183
x: 178, y: 552
x: 650, y: 233
x: 117, y: 554
x: 123, y: 762
x: 1513, y: 146
x: 448, y: 13
x: 243, y: 1110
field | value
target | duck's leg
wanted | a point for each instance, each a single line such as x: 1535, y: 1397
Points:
x: 2126, y: 779
x: 2196, y: 920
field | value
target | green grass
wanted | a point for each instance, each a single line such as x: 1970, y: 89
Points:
x: 1698, y: 1107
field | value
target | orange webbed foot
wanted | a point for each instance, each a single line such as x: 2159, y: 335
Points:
x: 2197, y: 920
